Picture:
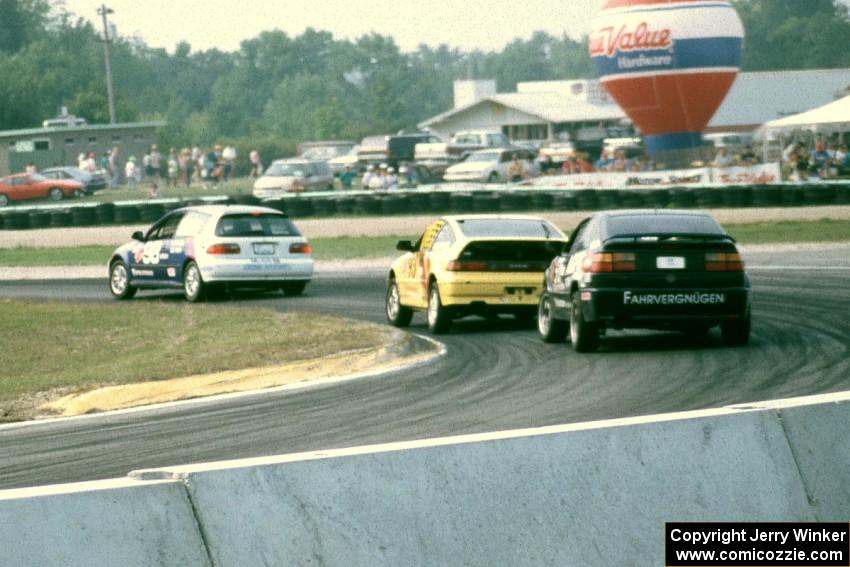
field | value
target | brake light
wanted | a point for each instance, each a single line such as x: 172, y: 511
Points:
x: 608, y: 262
x: 223, y: 249
x: 724, y: 262
x: 300, y: 248
x: 461, y: 266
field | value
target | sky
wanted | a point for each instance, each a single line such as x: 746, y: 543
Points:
x: 487, y: 25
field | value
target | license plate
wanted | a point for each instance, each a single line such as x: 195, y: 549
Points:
x: 265, y: 260
x: 263, y: 248
x: 670, y: 262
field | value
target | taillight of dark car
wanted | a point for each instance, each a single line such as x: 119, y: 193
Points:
x: 300, y: 248
x: 724, y: 262
x: 224, y: 249
x: 604, y: 262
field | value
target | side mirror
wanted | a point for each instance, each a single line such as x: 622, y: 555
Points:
x: 405, y: 246
x: 138, y: 236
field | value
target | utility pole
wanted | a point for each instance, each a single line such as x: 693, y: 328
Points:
x: 104, y: 11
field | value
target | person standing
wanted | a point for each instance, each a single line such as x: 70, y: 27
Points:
x: 114, y: 174
x: 156, y: 164
x: 346, y: 178
x: 256, y: 164
x: 228, y: 156
x: 147, y: 169
x: 173, y: 168
x: 130, y: 172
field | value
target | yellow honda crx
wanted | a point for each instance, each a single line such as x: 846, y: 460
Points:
x: 472, y: 265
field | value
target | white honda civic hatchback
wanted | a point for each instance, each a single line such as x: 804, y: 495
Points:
x: 206, y: 248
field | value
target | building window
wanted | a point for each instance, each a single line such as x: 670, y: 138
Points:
x: 41, y: 144
x: 69, y: 141
x: 116, y: 138
x: 92, y: 140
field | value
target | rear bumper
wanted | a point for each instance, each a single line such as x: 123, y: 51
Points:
x: 248, y: 271
x: 650, y: 308
x: 512, y: 290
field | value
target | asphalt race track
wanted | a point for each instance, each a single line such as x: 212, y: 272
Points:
x: 495, y: 376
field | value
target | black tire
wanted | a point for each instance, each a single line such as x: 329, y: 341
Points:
x: 119, y: 281
x: 293, y: 289
x: 194, y: 288
x: 493, y: 177
x: 551, y: 330
x: 736, y: 332
x: 55, y: 194
x: 397, y: 314
x: 584, y: 335
x: 439, y: 318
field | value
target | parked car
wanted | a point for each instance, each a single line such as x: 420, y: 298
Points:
x: 645, y: 269
x: 488, y: 165
x: 392, y: 150
x: 350, y: 159
x: 91, y: 181
x: 293, y: 176
x: 324, y: 151
x: 25, y: 186
x: 471, y: 265
x: 203, y: 249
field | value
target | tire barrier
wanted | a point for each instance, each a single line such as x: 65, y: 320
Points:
x: 443, y: 202
x: 346, y: 205
x: 766, y: 196
x: 461, y: 203
x: 439, y: 202
x: 542, y: 201
x: 608, y: 199
x: 586, y: 200
x: 485, y: 203
x: 818, y: 194
x: 105, y: 213
x: 61, y: 218
x: 83, y: 216
x: 299, y: 207
x: 632, y: 199
x: 706, y: 198
x: 151, y: 212
x: 367, y: 205
x: 682, y: 198
x: 792, y: 196
x: 565, y: 201
x: 39, y: 219
x: 735, y: 197
x: 394, y: 204
x: 16, y: 220
x: 127, y: 214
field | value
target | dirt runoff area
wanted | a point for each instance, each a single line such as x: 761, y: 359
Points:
x: 401, y: 350
x: 386, y: 226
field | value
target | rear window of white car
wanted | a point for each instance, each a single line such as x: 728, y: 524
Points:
x: 508, y: 228
x: 255, y: 224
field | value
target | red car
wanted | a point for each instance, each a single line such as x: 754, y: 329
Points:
x: 34, y: 186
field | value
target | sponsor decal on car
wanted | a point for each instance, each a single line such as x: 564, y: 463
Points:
x: 172, y: 272
x: 142, y: 273
x: 693, y: 298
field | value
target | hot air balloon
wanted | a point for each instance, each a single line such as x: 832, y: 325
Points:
x: 668, y: 64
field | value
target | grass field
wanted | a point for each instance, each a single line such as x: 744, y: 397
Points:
x: 72, y: 347
x: 347, y: 248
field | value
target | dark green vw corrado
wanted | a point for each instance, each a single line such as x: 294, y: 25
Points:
x: 645, y: 269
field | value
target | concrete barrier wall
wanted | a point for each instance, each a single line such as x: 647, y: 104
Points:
x: 122, y: 522
x: 596, y: 493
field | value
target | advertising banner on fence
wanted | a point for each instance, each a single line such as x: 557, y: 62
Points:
x: 760, y: 174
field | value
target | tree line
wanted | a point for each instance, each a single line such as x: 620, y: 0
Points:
x: 277, y: 90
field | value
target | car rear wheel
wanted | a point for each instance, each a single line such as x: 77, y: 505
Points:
x: 55, y: 194
x: 584, y: 335
x: 439, y: 318
x: 293, y: 288
x: 194, y: 288
x: 397, y: 314
x: 551, y: 330
x: 119, y: 281
x: 736, y: 332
